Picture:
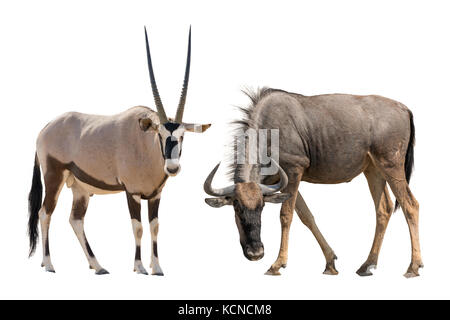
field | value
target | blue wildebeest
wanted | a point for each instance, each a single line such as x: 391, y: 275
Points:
x: 325, y: 139
x: 134, y: 151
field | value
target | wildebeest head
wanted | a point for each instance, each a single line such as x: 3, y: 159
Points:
x: 248, y: 199
x: 170, y: 131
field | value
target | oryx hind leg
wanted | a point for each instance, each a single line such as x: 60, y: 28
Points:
x: 79, y: 207
x: 383, y: 209
x: 54, y: 178
x: 134, y: 206
x: 307, y: 218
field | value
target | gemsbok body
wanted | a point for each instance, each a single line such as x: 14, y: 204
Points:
x: 325, y: 139
x: 134, y: 151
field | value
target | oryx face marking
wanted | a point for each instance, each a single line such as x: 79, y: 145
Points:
x: 171, y: 138
x: 171, y: 131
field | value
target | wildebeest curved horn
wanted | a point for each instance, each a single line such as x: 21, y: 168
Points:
x: 180, y: 110
x: 158, y: 103
x: 227, y: 191
x: 266, y: 190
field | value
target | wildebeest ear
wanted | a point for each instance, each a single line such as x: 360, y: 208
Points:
x: 218, y: 202
x: 147, y: 123
x: 193, y: 127
x: 277, y: 197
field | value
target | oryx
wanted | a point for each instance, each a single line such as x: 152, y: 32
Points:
x: 134, y: 151
x: 324, y: 139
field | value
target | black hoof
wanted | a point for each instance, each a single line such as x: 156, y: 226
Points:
x: 158, y: 274
x: 101, y: 272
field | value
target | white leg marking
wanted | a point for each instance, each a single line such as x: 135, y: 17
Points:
x: 44, y: 220
x: 156, y: 269
x: 78, y: 228
x: 137, y: 231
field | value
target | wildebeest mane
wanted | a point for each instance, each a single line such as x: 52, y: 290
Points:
x: 242, y: 125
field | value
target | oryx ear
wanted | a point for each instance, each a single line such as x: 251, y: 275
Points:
x: 199, y: 128
x: 218, y: 202
x: 277, y: 197
x: 147, y: 123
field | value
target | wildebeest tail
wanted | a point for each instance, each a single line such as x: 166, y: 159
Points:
x: 409, y: 159
x: 34, y: 205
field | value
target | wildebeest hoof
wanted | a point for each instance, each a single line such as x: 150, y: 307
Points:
x: 101, y: 272
x: 330, y: 268
x: 272, y: 272
x: 365, y: 270
x: 413, y: 270
x: 160, y: 273
x: 330, y: 271
x: 51, y: 270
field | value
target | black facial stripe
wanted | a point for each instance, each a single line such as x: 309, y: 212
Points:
x: 171, y: 150
x: 171, y: 126
x: 161, y: 145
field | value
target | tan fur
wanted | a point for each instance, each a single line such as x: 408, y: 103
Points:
x: 101, y: 146
x: 250, y: 195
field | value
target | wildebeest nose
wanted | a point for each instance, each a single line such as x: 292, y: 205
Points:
x: 254, y: 253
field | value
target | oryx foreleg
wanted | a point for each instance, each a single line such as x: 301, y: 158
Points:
x: 134, y: 205
x: 287, y: 211
x: 153, y: 206
x: 79, y: 207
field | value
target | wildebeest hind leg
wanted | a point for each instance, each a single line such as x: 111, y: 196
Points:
x: 287, y: 211
x: 383, y: 209
x: 79, y: 207
x: 307, y: 218
x: 410, y: 208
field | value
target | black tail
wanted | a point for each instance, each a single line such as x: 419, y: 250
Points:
x: 409, y: 159
x: 34, y: 205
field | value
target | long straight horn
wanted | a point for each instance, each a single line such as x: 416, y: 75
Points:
x: 158, y: 103
x: 180, y: 110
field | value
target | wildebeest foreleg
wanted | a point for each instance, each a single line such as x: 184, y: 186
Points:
x: 79, y: 207
x: 307, y: 218
x: 287, y: 211
x: 153, y: 206
x: 384, y: 209
x: 134, y: 206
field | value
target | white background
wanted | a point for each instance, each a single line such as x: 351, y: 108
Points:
x: 90, y: 57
